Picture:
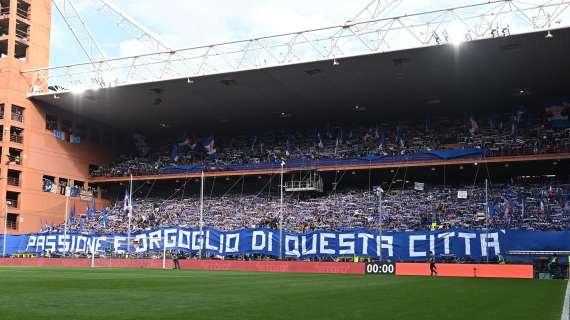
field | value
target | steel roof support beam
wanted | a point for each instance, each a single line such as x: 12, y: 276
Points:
x: 438, y: 27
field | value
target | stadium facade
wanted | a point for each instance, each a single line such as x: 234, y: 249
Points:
x: 59, y: 135
x: 29, y: 151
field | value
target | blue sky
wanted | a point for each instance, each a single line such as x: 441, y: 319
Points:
x: 188, y: 23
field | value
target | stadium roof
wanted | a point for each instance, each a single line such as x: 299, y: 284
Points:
x: 476, y: 75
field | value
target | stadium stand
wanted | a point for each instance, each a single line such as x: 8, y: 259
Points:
x: 517, y: 133
x: 541, y: 207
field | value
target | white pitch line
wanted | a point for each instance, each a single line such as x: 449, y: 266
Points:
x: 566, y: 308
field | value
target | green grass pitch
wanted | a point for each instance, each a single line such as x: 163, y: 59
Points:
x: 33, y: 293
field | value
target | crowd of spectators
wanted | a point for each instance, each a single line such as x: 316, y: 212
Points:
x: 505, y: 135
x: 529, y: 207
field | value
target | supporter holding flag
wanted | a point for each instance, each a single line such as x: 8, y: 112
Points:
x: 210, y: 147
x: 174, y: 153
x: 490, y: 210
x: 186, y: 142
x: 71, y: 217
x: 88, y: 213
x: 542, y: 207
x: 564, y: 199
x: 514, y: 126
x: 521, y: 198
x: 253, y: 142
x: 105, y: 219
x: 474, y: 129
x: 398, y: 134
x: 559, y: 194
x: 509, y: 209
x: 340, y: 137
x: 127, y: 204
x: 289, y: 150
x: 336, y: 146
x: 72, y: 214
x: 367, y: 136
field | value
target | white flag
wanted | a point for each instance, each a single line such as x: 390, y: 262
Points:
x: 419, y: 186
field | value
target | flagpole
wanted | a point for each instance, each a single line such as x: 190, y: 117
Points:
x: 281, y: 214
x: 201, y: 213
x: 487, y: 232
x: 5, y: 229
x: 66, y: 221
x: 381, y: 222
x: 130, y: 210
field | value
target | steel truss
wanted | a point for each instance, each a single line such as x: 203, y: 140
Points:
x: 438, y: 27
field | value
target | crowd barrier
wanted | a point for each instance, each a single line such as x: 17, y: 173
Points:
x: 263, y: 266
x: 402, y: 269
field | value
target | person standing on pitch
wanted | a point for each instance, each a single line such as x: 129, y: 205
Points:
x: 432, y: 267
x: 176, y: 261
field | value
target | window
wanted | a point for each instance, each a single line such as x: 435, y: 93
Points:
x: 12, y: 222
x: 17, y: 113
x: 23, y: 9
x: 51, y: 122
x: 2, y: 111
x: 13, y: 178
x: 4, y: 26
x: 66, y: 126
x: 16, y: 134
x: 4, y: 49
x: 48, y: 184
x: 23, y: 30
x: 21, y: 51
x: 79, y: 184
x: 12, y: 199
x: 14, y: 156
x: 4, y: 8
x: 63, y: 182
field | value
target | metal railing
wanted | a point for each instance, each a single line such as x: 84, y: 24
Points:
x: 24, y: 14
x: 18, y: 117
x: 23, y: 35
x: 13, y: 181
x: 12, y: 225
x: 14, y: 160
x: 16, y: 138
x: 12, y: 203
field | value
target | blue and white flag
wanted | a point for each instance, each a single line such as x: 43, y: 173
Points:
x: 127, y: 206
x: 210, y: 147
